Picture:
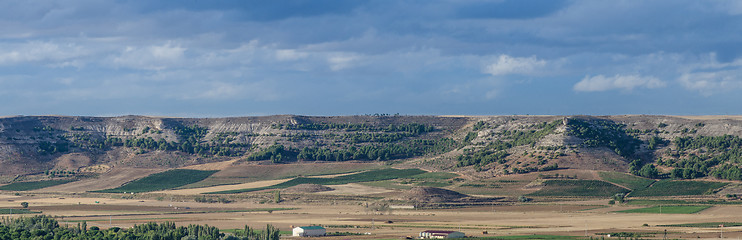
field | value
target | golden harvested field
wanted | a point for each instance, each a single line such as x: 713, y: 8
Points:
x: 193, y: 191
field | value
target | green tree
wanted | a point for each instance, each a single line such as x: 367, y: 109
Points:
x: 649, y: 171
x: 277, y: 196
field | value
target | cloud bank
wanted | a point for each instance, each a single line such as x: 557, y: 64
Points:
x: 226, y: 58
x: 601, y: 83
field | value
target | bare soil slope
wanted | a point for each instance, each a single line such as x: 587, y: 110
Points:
x: 112, y: 179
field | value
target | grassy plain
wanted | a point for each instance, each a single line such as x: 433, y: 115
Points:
x: 678, y: 188
x: 580, y: 188
x: 680, y: 202
x: 26, y: 186
x: 672, y: 209
x: 361, y: 199
x: 16, y: 211
x: 704, y: 225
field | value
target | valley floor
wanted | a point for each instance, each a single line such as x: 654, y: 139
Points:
x: 572, y: 218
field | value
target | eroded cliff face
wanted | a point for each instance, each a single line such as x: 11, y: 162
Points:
x: 32, y: 144
x: 39, y: 143
x: 485, y: 145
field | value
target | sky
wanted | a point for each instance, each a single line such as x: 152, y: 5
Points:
x: 213, y: 58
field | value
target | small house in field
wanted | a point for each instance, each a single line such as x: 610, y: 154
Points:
x: 309, y: 231
x: 435, y: 234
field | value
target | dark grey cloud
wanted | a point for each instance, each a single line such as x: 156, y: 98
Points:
x: 198, y: 57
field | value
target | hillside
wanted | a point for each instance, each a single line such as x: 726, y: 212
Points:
x: 480, y: 147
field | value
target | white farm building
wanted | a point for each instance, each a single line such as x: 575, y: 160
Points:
x: 309, y: 231
x: 428, y: 234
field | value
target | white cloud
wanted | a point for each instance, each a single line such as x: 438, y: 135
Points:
x: 514, y: 65
x: 289, y: 54
x: 623, y: 82
x: 218, y: 90
x: 167, y: 52
x: 709, y: 76
x: 38, y: 51
x: 341, y: 61
x: 152, y: 57
x: 710, y: 82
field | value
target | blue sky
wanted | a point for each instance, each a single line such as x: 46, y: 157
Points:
x: 198, y: 58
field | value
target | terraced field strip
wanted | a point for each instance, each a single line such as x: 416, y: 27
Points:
x: 678, y: 188
x: 26, y: 186
x: 682, y: 209
x: 161, y: 181
x: 679, y: 202
x: 194, y: 191
x: 704, y: 225
x: 16, y: 211
x: 368, y: 176
x: 582, y: 188
x: 626, y: 180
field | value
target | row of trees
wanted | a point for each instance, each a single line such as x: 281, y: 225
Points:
x: 191, y: 147
x: 45, y: 227
x: 414, y: 128
x: 412, y: 148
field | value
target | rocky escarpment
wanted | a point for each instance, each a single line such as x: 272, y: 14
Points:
x: 32, y: 144
x: 481, y: 146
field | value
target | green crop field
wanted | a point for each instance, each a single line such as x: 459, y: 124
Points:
x: 164, y: 180
x: 678, y: 188
x: 434, y: 176
x: 679, y: 202
x: 582, y: 188
x: 673, y: 209
x: 630, y: 181
x: 16, y: 211
x: 26, y: 186
x: 368, y: 176
x: 704, y: 225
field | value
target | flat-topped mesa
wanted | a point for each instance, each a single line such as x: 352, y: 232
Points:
x: 475, y: 145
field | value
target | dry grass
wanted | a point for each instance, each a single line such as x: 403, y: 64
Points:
x: 193, y: 191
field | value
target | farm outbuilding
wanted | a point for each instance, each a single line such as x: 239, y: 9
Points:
x: 428, y: 234
x: 309, y: 231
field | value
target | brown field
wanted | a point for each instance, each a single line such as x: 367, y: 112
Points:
x: 213, y: 166
x: 355, y: 207
x: 234, y: 172
x: 499, y: 219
